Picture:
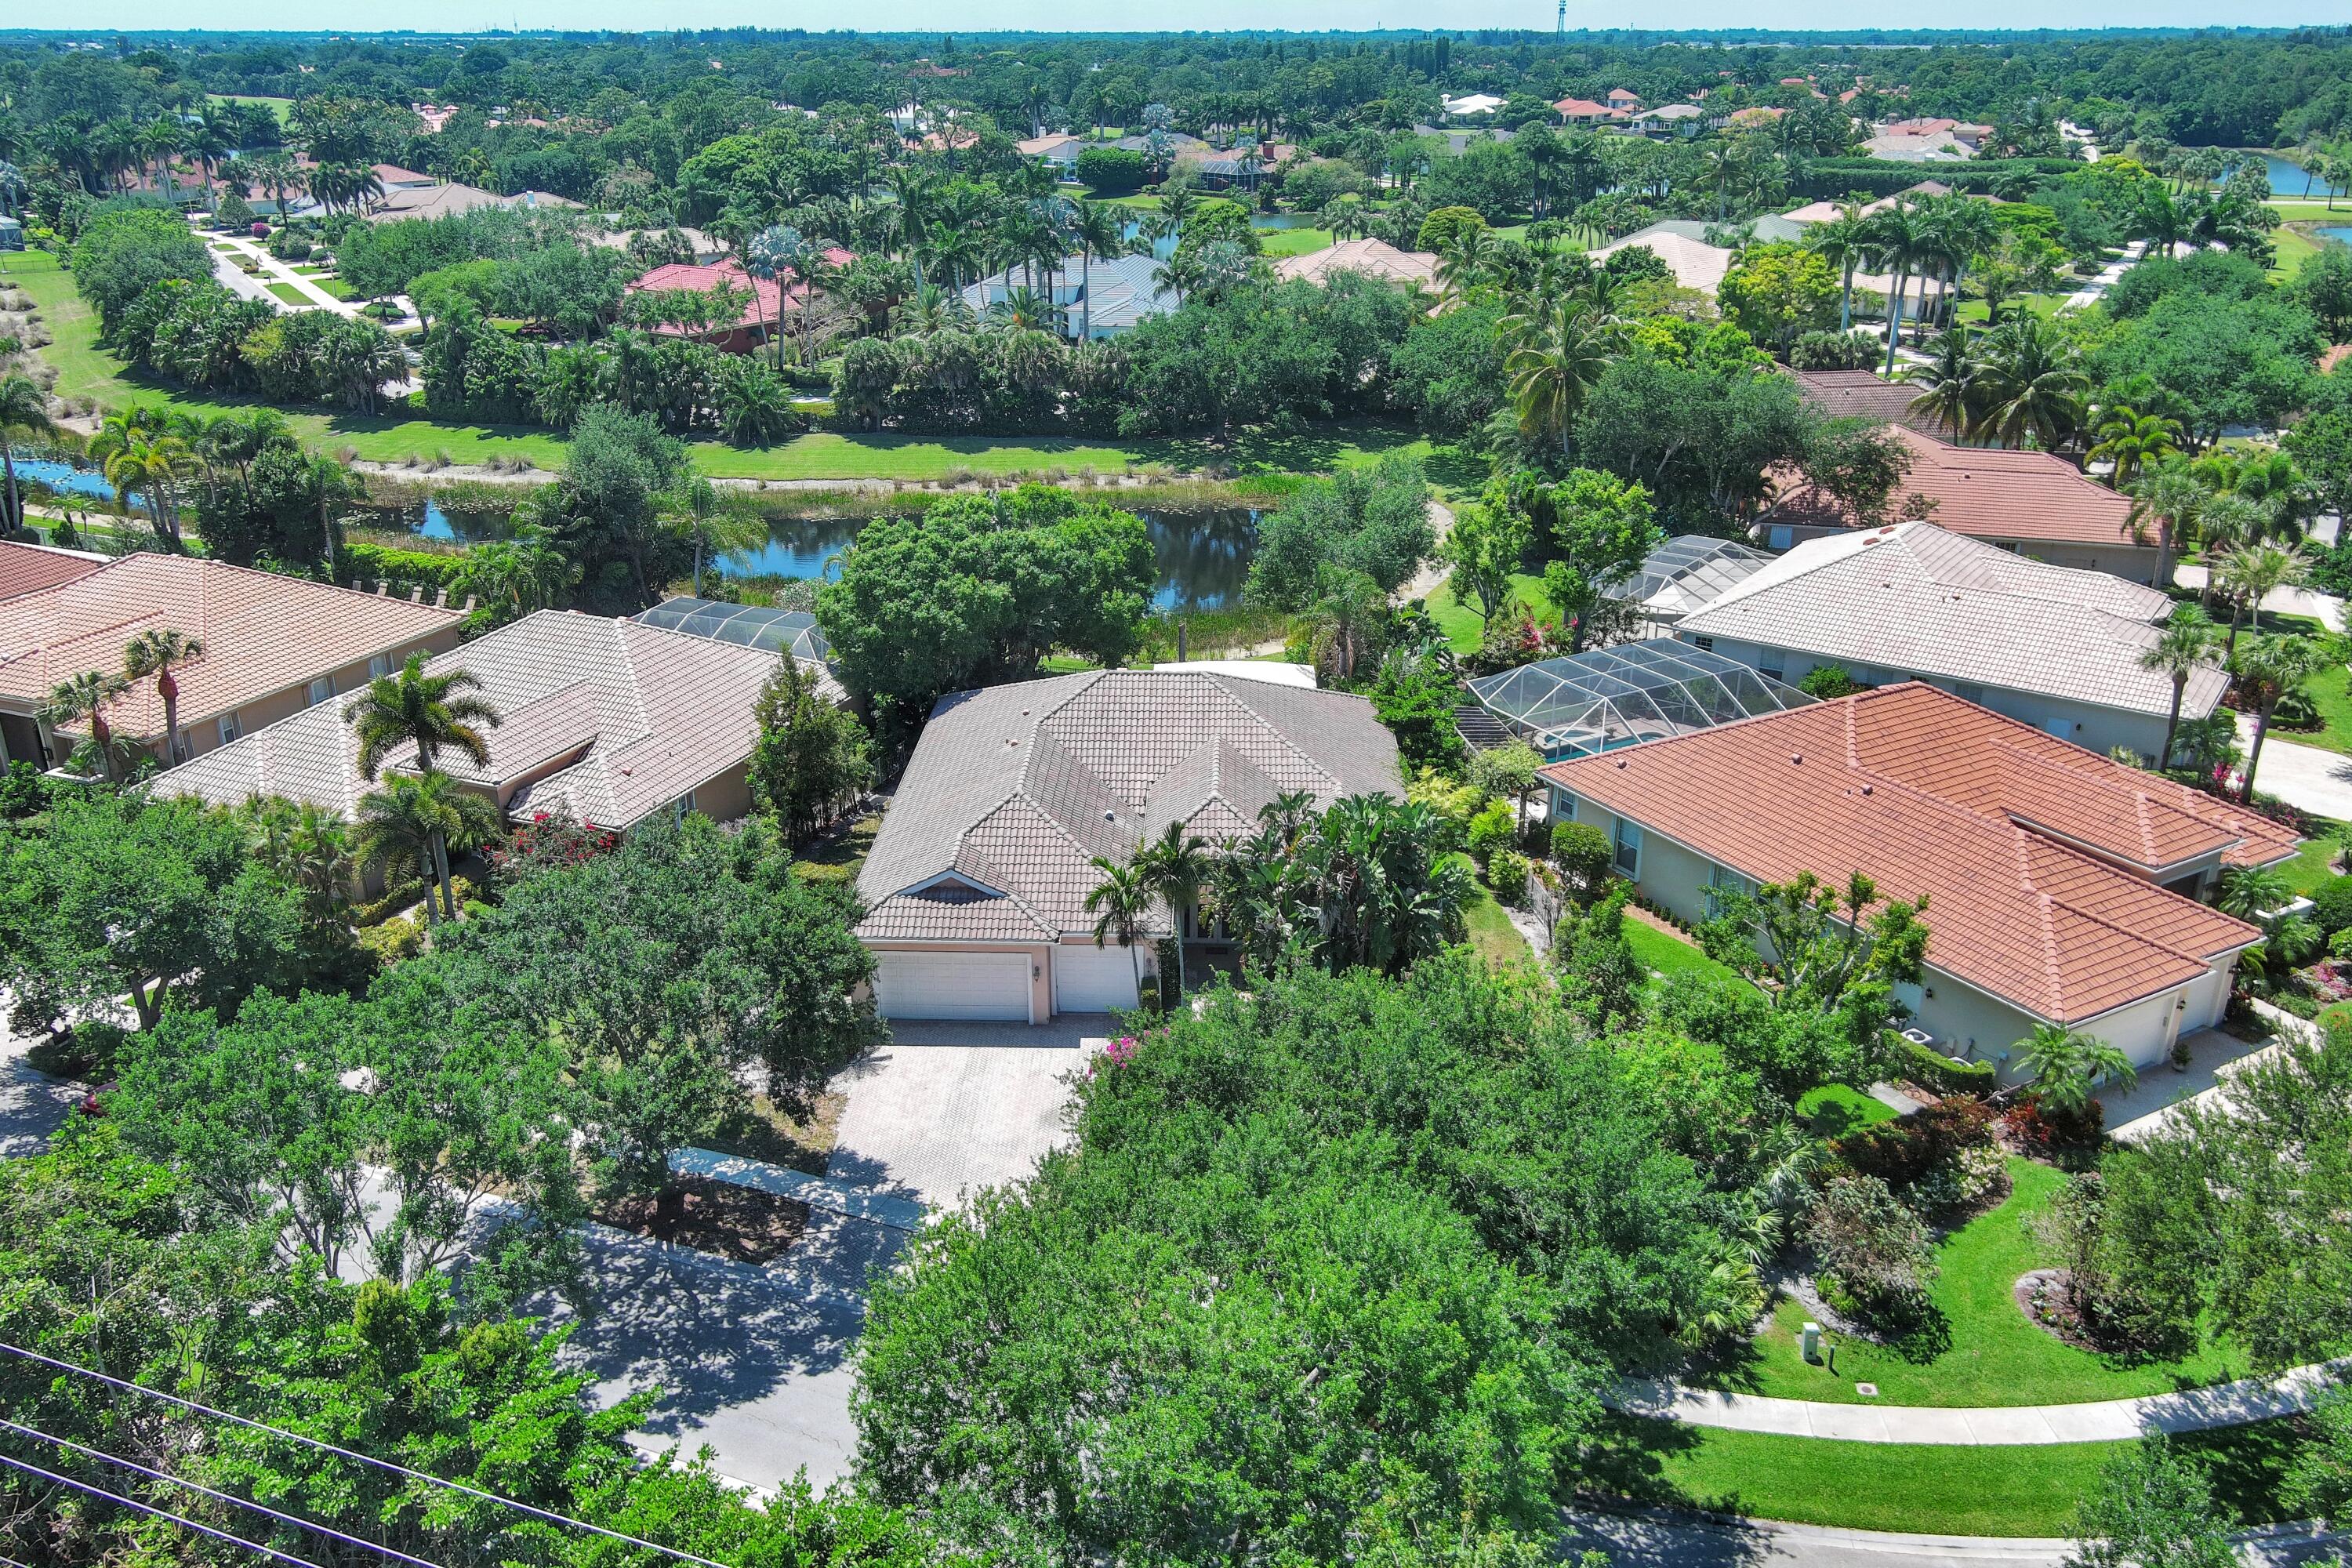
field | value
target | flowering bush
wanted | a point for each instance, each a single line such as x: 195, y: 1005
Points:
x: 551, y: 839
x: 2047, y: 1130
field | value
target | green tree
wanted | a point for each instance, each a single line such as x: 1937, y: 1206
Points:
x: 2065, y: 1065
x: 2153, y: 1509
x: 2265, y: 669
x: 430, y: 714
x: 1776, y: 291
x: 1484, y: 546
x: 23, y: 407
x: 1823, y: 948
x: 1121, y: 902
x: 2185, y: 642
x: 161, y: 651
x: 1601, y: 528
x: 418, y: 820
x: 812, y: 753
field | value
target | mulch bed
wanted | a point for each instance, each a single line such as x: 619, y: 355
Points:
x: 2041, y: 1295
x: 740, y: 1224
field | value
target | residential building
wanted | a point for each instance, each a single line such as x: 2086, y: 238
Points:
x: 1822, y: 212
x: 1471, y: 103
x: 609, y: 721
x: 706, y: 248
x: 273, y: 644
x: 1372, y: 257
x: 449, y: 200
x: 1670, y: 122
x: 1103, y: 297
x: 1864, y: 394
x: 1623, y: 100
x: 27, y: 568
x: 1582, y: 112
x: 2053, y: 646
x: 1694, y: 263
x: 1458, y: 139
x: 766, y: 300
x: 977, y: 883
x: 396, y: 178
x: 1058, y: 148
x: 2030, y: 502
x: 2059, y: 885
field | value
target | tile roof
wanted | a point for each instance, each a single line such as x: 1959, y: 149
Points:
x: 1928, y: 795
x: 1373, y: 258
x: 1012, y: 790
x: 1580, y: 109
x: 1917, y: 599
x: 1983, y: 491
x: 263, y: 633
x: 1694, y: 263
x: 28, y: 568
x: 1861, y: 394
x: 628, y: 717
x: 764, y: 296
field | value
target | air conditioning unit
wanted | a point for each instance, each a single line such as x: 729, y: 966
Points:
x: 1919, y: 1036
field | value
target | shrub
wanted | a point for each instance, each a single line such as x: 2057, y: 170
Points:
x: 2332, y: 905
x: 2051, y: 1130
x: 85, y: 1052
x: 394, y: 940
x: 1507, y: 873
x: 1493, y: 829
x: 395, y: 898
x: 1869, y: 1243
x: 1114, y: 171
x: 1582, y: 852
x: 1910, y: 1150
x: 1829, y: 682
x: 1942, y: 1074
x: 1833, y: 351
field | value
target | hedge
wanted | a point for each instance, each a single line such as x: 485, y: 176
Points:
x: 1941, y: 1073
x: 367, y: 564
x: 1830, y: 178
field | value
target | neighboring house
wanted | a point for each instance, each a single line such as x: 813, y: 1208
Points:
x: 453, y: 199
x: 1106, y: 297
x: 609, y: 721
x: 1684, y: 576
x: 1916, y: 149
x: 2053, y: 647
x: 1694, y: 263
x: 1822, y: 212
x: 1060, y: 148
x: 2029, y: 503
x: 2059, y: 885
x: 1582, y: 112
x: 396, y: 178
x: 273, y: 644
x: 747, y: 625
x: 27, y: 568
x: 1458, y: 139
x: 1603, y: 698
x: 1672, y: 121
x: 1623, y: 100
x: 706, y: 248
x: 1372, y: 257
x: 1470, y: 104
x: 977, y: 883
x: 1862, y: 394
x: 765, y: 300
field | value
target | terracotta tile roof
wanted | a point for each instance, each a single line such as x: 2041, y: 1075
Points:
x: 629, y: 716
x: 1928, y: 795
x: 764, y: 296
x: 1987, y: 493
x: 1859, y: 393
x: 1012, y: 790
x: 28, y: 568
x: 263, y: 633
x: 1916, y: 600
x: 1580, y: 107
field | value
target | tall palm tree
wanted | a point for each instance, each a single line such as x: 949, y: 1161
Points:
x: 23, y: 406
x: 135, y: 452
x: 2169, y: 494
x: 1949, y: 382
x: 1843, y: 241
x: 2253, y: 570
x: 2185, y: 644
x: 87, y: 696
x: 432, y: 712
x: 2131, y: 440
x: 417, y: 819
x: 161, y: 651
x: 2266, y: 669
x: 1896, y: 243
x: 2034, y: 383
x: 1176, y: 866
x: 1559, y: 352
x: 1120, y: 903
x: 1098, y: 231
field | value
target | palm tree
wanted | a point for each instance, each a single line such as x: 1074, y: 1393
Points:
x: 765, y: 257
x: 132, y: 451
x: 1176, y: 866
x: 2032, y: 383
x: 2065, y: 1063
x: 2266, y: 670
x: 916, y: 204
x: 1950, y: 378
x: 23, y: 406
x: 1843, y: 241
x: 2184, y: 644
x: 2170, y: 494
x: 1467, y: 261
x: 2252, y: 571
x: 160, y: 652
x: 2131, y: 440
x: 1896, y: 243
x: 417, y: 819
x: 1098, y: 230
x: 1120, y: 903
x: 430, y: 712
x: 1559, y: 352
x: 87, y: 696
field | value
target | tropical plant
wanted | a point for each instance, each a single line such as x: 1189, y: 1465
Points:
x: 1120, y: 903
x: 432, y: 713
x: 419, y: 819
x: 1950, y: 393
x: 161, y: 651
x: 2185, y: 642
x: 23, y: 407
x: 2265, y: 669
x: 2034, y: 386
x: 2131, y: 441
x: 1559, y: 352
x: 2065, y: 1065
x: 87, y: 696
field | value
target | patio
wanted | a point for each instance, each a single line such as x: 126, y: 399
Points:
x: 2138, y: 1112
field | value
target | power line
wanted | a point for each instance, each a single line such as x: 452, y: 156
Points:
x: 267, y: 1552
x: 234, y: 1502
x: 387, y: 1465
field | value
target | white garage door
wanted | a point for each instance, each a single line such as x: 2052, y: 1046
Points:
x: 1093, y: 979
x: 954, y: 986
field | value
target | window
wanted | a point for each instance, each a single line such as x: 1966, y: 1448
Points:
x: 1778, y: 536
x: 2062, y: 728
x: 1772, y: 664
x: 379, y: 666
x: 321, y: 688
x: 1720, y: 881
x: 1704, y: 645
x: 684, y: 805
x: 1967, y: 692
x: 1629, y: 847
x: 229, y: 728
x: 1563, y: 806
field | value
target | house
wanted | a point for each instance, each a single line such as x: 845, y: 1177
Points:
x: 1604, y: 699
x: 1582, y: 112
x: 1822, y: 212
x: 273, y: 645
x: 765, y: 300
x: 1755, y: 117
x: 1685, y: 574
x: 1623, y: 100
x: 2030, y: 502
x: 1060, y: 148
x: 2053, y: 647
x: 2059, y: 885
x: 28, y: 568
x: 396, y: 178
x: 1458, y: 139
x: 1372, y: 257
x: 449, y: 200
x: 609, y: 721
x: 977, y: 883
x: 1669, y: 121
x: 1470, y: 104
x: 1694, y: 263
x: 1862, y: 394
x: 1916, y: 149
x: 436, y: 117
x: 1922, y: 126
x: 708, y: 248
x: 1103, y: 297
x: 793, y: 632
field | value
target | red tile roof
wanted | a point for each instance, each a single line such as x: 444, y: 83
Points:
x: 1929, y: 795
x: 1985, y: 493
x: 263, y: 633
x: 767, y: 294
x: 27, y: 568
x: 1580, y: 107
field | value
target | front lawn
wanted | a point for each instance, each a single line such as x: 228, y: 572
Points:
x: 1461, y: 623
x: 2313, y: 863
x: 1669, y: 954
x: 1834, y: 1110
x: 1492, y: 932
x: 1935, y: 1488
x: 1281, y: 242
x: 293, y: 296
x: 1984, y: 1351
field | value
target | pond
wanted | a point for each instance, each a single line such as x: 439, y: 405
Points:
x: 1204, y: 556
x: 65, y: 478
x: 2340, y: 233
x: 2289, y: 178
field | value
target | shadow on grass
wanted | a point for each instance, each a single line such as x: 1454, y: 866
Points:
x: 2249, y: 1465
x: 1626, y: 1460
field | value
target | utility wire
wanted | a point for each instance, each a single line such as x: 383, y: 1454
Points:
x: 271, y: 1552
x: 234, y: 1502
x: 387, y: 1465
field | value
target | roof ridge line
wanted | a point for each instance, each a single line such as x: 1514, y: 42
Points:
x: 1277, y: 730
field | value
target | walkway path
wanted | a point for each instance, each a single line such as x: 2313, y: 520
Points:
x: 2324, y: 608
x: 2089, y: 294
x: 2108, y: 1421
x: 2308, y: 778
x: 817, y: 1192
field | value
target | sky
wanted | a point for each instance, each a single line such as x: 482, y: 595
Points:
x: 964, y: 16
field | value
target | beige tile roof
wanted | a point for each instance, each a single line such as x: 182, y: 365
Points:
x: 1915, y: 599
x: 1928, y: 795
x: 263, y: 633
x: 1374, y: 257
x: 646, y: 715
x: 1012, y: 790
x: 1694, y: 263
x: 28, y: 568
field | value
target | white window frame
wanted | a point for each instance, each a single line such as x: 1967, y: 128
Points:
x: 379, y: 665
x: 1721, y: 879
x: 1625, y: 848
x: 229, y: 728
x: 318, y: 696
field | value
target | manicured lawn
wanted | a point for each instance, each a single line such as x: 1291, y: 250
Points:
x: 1833, y: 1110
x: 1295, y: 241
x: 337, y: 287
x: 1492, y: 932
x: 292, y: 295
x: 277, y: 106
x: 2313, y: 864
x: 1987, y: 1351
x: 2041, y: 305
x: 1937, y: 1489
x: 1669, y: 954
x: 2291, y: 249
x: 1460, y: 622
x: 2328, y: 694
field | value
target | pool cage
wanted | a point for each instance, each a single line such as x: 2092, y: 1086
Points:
x: 746, y: 626
x: 1607, y: 697
x: 1685, y: 574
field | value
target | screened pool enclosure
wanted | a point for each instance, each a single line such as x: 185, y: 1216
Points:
x: 1612, y: 696
x: 746, y: 626
x: 1684, y: 576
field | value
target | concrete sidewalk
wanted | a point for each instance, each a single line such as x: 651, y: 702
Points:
x: 2107, y: 1421
x: 1677, y: 1538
